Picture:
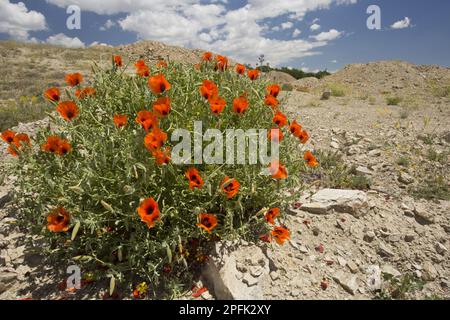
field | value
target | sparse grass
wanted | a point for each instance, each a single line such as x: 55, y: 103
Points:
x: 404, y: 113
x: 433, y: 188
x: 427, y: 138
x: 402, y: 288
x: 393, y: 101
x: 440, y: 91
x: 337, y: 90
x: 372, y: 100
x: 334, y: 173
x: 435, y: 156
x: 403, y: 161
x: 287, y: 87
x: 24, y: 110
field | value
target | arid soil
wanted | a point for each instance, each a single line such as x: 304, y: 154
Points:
x: 398, y: 156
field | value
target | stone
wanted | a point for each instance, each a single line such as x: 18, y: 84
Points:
x: 348, y: 282
x: 385, y: 251
x: 5, y: 197
x: 315, y: 231
x: 374, y: 153
x: 364, y: 171
x: 405, y: 178
x: 345, y: 201
x: 274, y: 275
x: 429, y: 272
x: 326, y: 95
x: 440, y: 248
x: 352, y: 267
x: 391, y: 271
x: 369, y: 236
x: 410, y: 237
x: 334, y: 145
x: 220, y: 272
x: 423, y: 216
x: 6, y: 280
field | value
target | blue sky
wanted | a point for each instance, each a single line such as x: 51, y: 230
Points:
x: 309, y: 34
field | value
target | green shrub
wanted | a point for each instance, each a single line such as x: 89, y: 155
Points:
x: 393, y: 101
x: 108, y: 173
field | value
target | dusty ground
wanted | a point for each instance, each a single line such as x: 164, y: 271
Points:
x: 400, y: 155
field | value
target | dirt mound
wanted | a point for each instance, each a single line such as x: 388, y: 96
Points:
x: 280, y: 77
x: 391, y: 76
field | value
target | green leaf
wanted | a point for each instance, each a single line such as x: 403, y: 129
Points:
x: 75, y: 230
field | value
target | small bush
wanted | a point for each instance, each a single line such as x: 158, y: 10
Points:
x: 88, y: 184
x: 403, y: 161
x: 402, y: 288
x: 393, y: 101
x: 24, y: 110
x: 287, y: 87
x: 404, y: 113
x: 433, y: 188
x: 337, y: 90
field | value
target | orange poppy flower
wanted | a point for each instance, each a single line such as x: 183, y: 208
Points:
x: 8, y: 136
x: 162, y: 106
x: 273, y: 90
x: 52, y: 144
x: 74, y: 79
x: 140, y: 63
x: 161, y: 64
x: 253, y: 74
x: 162, y: 156
x: 280, y: 119
x: 304, y: 137
x: 20, y: 139
x: 265, y: 238
x: 310, y: 159
x: 158, y: 84
x: 240, y: 69
x: 117, y: 61
x: 281, y: 234
x: 230, y: 187
x: 275, y: 135
x: 142, y: 69
x: 222, y: 63
x: 12, y: 151
x: 271, y: 101
x: 86, y: 92
x: 120, y: 120
x: 207, y: 56
x: 64, y: 147
x: 217, y: 104
x: 240, y: 105
x: 208, y: 89
x: 271, y: 215
x: 195, y: 180
x: 155, y: 139
x: 147, y: 119
x: 58, y: 220
x: 207, y: 221
x: 295, y: 129
x: 278, y: 171
x: 68, y: 110
x: 52, y: 94
x: 149, y: 211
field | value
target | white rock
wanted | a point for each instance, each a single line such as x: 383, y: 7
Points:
x: 389, y: 270
x: 364, y: 171
x: 374, y: 153
x: 348, y: 282
x: 440, y: 248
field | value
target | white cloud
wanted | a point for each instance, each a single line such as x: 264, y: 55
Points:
x: 327, y: 36
x: 287, y: 25
x: 402, y: 24
x: 239, y: 33
x: 62, y: 40
x: 17, y: 21
x: 314, y: 27
x: 108, y: 25
x: 296, y: 33
x: 102, y: 44
x: 334, y: 61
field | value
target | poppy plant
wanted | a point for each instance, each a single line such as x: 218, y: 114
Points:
x: 278, y: 171
x: 117, y: 61
x: 74, y: 79
x: 304, y: 137
x: 149, y: 211
x: 8, y: 136
x: 281, y: 234
x: 142, y: 69
x: 310, y: 159
x: 273, y: 90
x: 240, y: 105
x: 86, y: 92
x: 240, y: 69
x: 155, y: 139
x: 230, y: 187
x: 64, y: 147
x: 120, y: 120
x: 162, y: 156
x: 208, y: 89
x: 52, y: 94
x: 207, y: 56
x: 271, y: 101
x: 295, y: 129
x: 68, y: 110
x: 56, y: 145
x: 195, y: 180
x: 158, y: 84
x: 275, y: 135
x: 280, y: 119
x: 162, y: 106
x: 58, y: 220
x: 147, y: 119
x: 271, y: 214
x: 207, y: 221
x: 222, y: 63
x: 161, y: 64
x: 217, y: 104
x: 253, y: 74
x: 18, y: 142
